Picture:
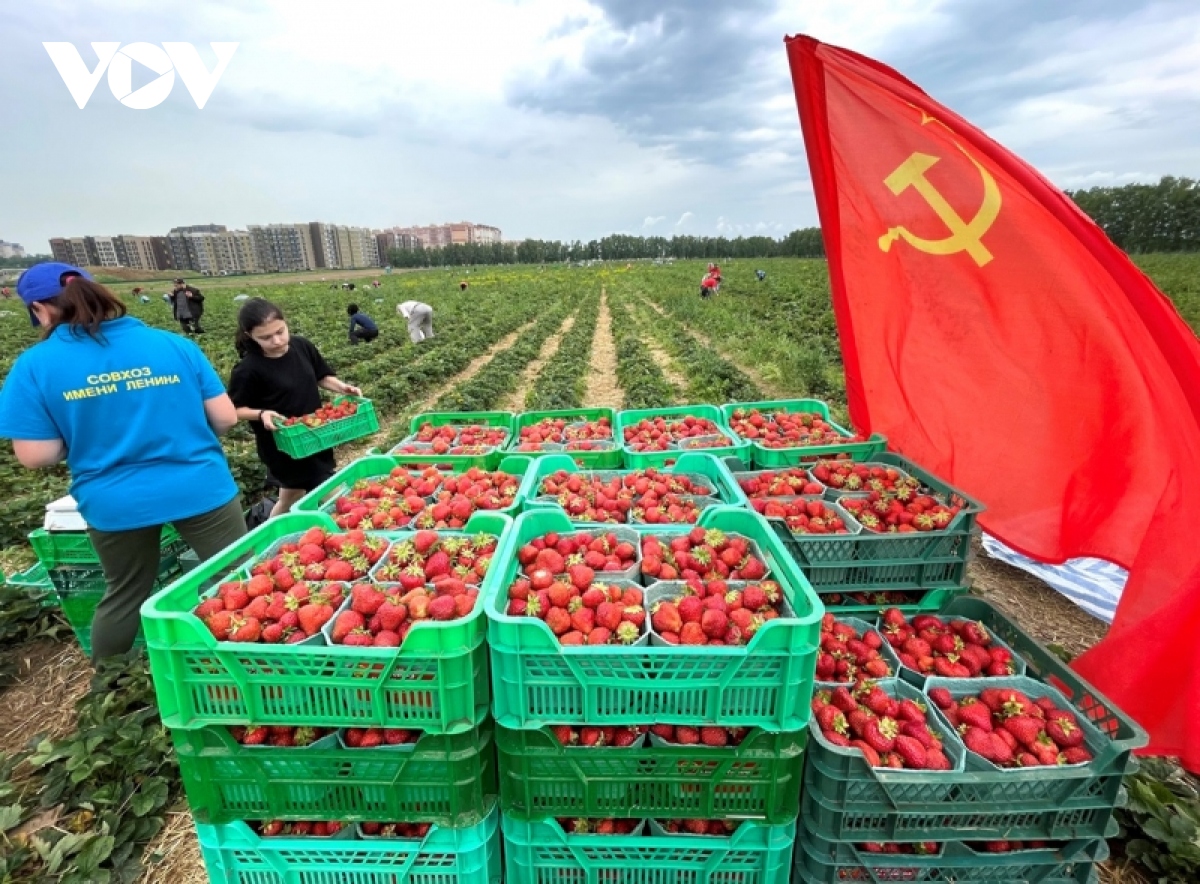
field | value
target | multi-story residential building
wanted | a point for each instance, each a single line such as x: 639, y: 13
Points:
x: 438, y: 235
x: 215, y: 253
x: 163, y: 259
x: 386, y: 240
x: 283, y: 247
x: 136, y: 252
x: 11, y: 250
x: 77, y: 250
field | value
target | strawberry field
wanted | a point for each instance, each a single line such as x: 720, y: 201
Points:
x: 91, y: 782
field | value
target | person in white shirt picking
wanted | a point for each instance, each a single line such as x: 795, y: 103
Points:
x: 420, y: 320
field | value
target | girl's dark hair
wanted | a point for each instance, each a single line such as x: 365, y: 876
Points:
x: 255, y: 312
x: 83, y: 305
x: 351, y: 309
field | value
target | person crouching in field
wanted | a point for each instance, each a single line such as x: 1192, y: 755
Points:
x: 136, y: 413
x: 281, y: 376
x: 362, y: 326
x: 420, y: 320
x: 708, y: 286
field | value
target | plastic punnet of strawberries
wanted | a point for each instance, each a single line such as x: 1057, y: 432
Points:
x: 590, y: 826
x: 278, y: 736
x: 385, y: 502
x: 544, y: 558
x: 579, y: 609
x: 298, y: 829
x: 946, y: 647
x: 257, y: 611
x: 428, y: 557
x: 589, y: 497
x: 889, y: 731
x: 407, y: 831
x: 920, y: 848
x: 661, y: 434
x: 801, y: 515
x: 559, y: 430
x: 372, y: 737
x: 709, y: 828
x: 702, y: 735
x: 702, y: 553
x: 716, y: 612
x: 784, y: 429
x: 447, y: 436
x: 462, y: 494
x: 791, y: 482
x: 849, y: 656
x: 595, y: 737
x: 887, y: 513
x: 382, y: 616
x: 1008, y: 728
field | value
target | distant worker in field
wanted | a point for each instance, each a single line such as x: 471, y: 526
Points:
x: 362, y: 326
x: 708, y: 286
x: 761, y: 274
x: 188, y: 305
x: 462, y: 286
x: 6, y: 292
x: 137, y: 290
x: 420, y: 320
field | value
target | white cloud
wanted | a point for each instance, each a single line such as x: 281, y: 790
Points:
x: 652, y: 220
x: 684, y: 218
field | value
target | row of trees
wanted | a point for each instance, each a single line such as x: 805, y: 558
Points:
x: 1162, y: 217
x: 804, y: 243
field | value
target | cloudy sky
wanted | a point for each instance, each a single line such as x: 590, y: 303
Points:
x: 558, y: 119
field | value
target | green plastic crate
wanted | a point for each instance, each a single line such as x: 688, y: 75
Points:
x: 437, y: 681
x: 322, y: 498
x: 234, y: 854
x: 299, y: 441
x: 768, y: 683
x: 640, y: 459
x: 869, y: 604
x: 444, y: 779
x: 54, y: 548
x: 596, y: 460
x: 765, y: 457
x: 759, y: 779
x: 487, y: 461
x: 541, y: 853
x: 822, y: 861
x: 870, y: 561
x: 695, y: 463
x: 36, y: 583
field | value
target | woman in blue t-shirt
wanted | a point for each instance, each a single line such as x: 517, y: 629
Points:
x: 135, y: 412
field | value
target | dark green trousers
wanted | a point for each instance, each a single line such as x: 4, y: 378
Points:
x: 130, y: 563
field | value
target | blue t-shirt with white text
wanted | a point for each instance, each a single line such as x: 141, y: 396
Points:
x: 130, y: 408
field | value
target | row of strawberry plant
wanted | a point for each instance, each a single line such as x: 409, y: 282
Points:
x: 642, y: 380
x: 711, y: 377
x: 560, y: 383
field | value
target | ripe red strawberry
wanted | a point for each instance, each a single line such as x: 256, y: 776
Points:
x: 911, y: 750
x: 1064, y: 730
x: 346, y: 622
x: 714, y: 736
x: 1025, y: 729
x: 975, y: 714
x: 941, y: 698
x: 714, y: 623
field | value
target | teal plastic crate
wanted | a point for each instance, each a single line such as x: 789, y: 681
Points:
x: 446, y: 779
x: 36, y: 583
x: 541, y: 852
x: 234, y: 854
x: 596, y: 460
x: 693, y: 463
x: 436, y: 681
x: 768, y: 683
x: 639, y: 459
x: 822, y: 861
x: 300, y: 441
x: 765, y: 457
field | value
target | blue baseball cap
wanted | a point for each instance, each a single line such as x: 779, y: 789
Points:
x: 41, y: 282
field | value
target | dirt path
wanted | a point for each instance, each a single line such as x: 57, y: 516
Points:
x: 355, y: 450
x: 772, y: 391
x: 50, y: 677
x: 602, y: 390
x: 516, y: 400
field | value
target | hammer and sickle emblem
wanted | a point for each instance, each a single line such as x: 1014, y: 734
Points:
x: 965, y: 236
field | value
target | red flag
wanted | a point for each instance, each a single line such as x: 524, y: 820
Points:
x: 995, y: 334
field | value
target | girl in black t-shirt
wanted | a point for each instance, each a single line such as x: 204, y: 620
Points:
x: 280, y: 376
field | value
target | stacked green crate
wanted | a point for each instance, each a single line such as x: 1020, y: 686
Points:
x: 980, y: 821
x: 540, y: 687
x: 583, y: 434
x: 430, y: 694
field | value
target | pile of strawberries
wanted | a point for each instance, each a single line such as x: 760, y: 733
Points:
x: 889, y: 732
x: 783, y: 429
x: 648, y: 495
x: 950, y: 648
x: 382, y: 616
x: 255, y: 610
x: 544, y: 558
x: 704, y: 735
x: 713, y: 613
x: 461, y: 494
x: 410, y: 831
x: 791, y: 482
x: 300, y: 829
x: 662, y: 434
x: 558, y: 431
x: 701, y: 554
x: 594, y: 737
x: 885, y: 513
x: 921, y: 848
x: 428, y: 557
x: 802, y: 516
x: 846, y: 475
x: 877, y: 598
x: 370, y: 737
x: 1008, y: 846
x: 319, y: 556
x: 325, y: 414
x: 848, y: 656
x: 1006, y: 727
x: 717, y: 828
x: 386, y: 502
x: 280, y: 736
x: 607, y: 826
x: 579, y: 609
